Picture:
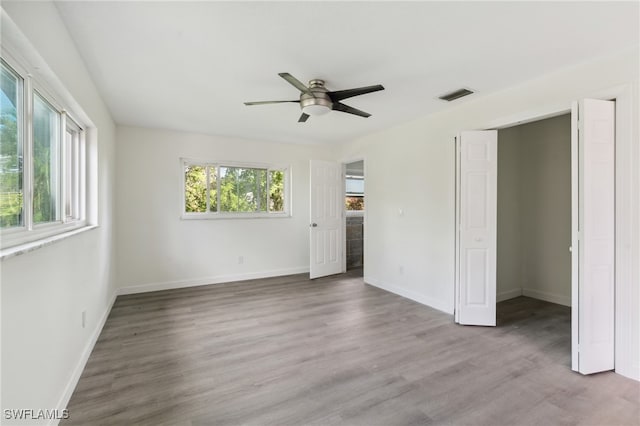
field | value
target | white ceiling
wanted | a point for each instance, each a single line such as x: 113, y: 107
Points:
x: 190, y: 65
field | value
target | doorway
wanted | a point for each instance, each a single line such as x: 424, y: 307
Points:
x: 533, y: 263
x: 534, y: 211
x: 354, y: 223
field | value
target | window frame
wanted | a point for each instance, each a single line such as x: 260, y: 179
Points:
x: 286, y: 169
x: 29, y: 232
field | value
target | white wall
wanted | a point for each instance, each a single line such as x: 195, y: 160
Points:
x: 157, y: 249
x: 411, y: 167
x: 534, y: 210
x: 44, y: 291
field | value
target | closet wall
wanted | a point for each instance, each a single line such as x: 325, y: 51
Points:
x: 534, y: 210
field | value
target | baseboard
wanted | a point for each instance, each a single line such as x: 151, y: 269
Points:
x: 82, y: 362
x: 548, y: 297
x: 632, y: 372
x: 219, y: 279
x: 416, y: 297
x: 509, y: 294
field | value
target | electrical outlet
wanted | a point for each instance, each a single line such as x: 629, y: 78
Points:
x: 84, y: 319
x: 240, y: 260
x: 401, y: 270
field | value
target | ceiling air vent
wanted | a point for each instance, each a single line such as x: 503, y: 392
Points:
x: 455, y: 95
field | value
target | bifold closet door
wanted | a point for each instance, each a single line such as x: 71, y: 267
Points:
x: 593, y: 236
x: 476, y: 188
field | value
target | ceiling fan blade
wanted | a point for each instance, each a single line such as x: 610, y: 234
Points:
x: 303, y: 118
x: 349, y: 93
x: 268, y: 102
x: 295, y: 82
x: 350, y: 110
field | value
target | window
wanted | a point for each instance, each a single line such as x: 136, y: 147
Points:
x: 234, y: 190
x: 354, y: 192
x: 42, y: 167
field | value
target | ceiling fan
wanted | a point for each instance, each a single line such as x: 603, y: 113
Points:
x: 317, y: 100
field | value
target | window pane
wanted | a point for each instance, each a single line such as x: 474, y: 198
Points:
x: 195, y: 191
x: 276, y: 190
x: 240, y: 189
x: 76, y: 160
x: 213, y: 189
x: 248, y: 190
x: 46, y: 161
x: 69, y: 174
x: 262, y: 189
x: 228, y: 201
x: 355, y: 186
x: 11, y: 199
x: 72, y: 171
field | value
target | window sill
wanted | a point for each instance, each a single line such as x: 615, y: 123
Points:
x: 218, y: 216
x: 34, y: 245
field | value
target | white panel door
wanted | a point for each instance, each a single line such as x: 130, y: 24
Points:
x: 477, y: 189
x: 593, y: 315
x: 327, y: 206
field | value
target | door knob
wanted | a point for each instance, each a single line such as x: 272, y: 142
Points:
x: 314, y: 225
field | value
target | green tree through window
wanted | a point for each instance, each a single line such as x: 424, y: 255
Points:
x: 11, y: 198
x: 276, y: 190
x: 46, y: 151
x: 236, y: 189
x: 243, y: 189
x: 195, y: 189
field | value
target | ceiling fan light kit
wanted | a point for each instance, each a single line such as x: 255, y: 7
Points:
x: 316, y: 109
x: 315, y: 99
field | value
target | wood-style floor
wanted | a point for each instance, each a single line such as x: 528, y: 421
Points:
x: 290, y: 351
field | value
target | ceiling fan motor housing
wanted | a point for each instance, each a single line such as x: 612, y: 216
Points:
x: 318, y: 102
